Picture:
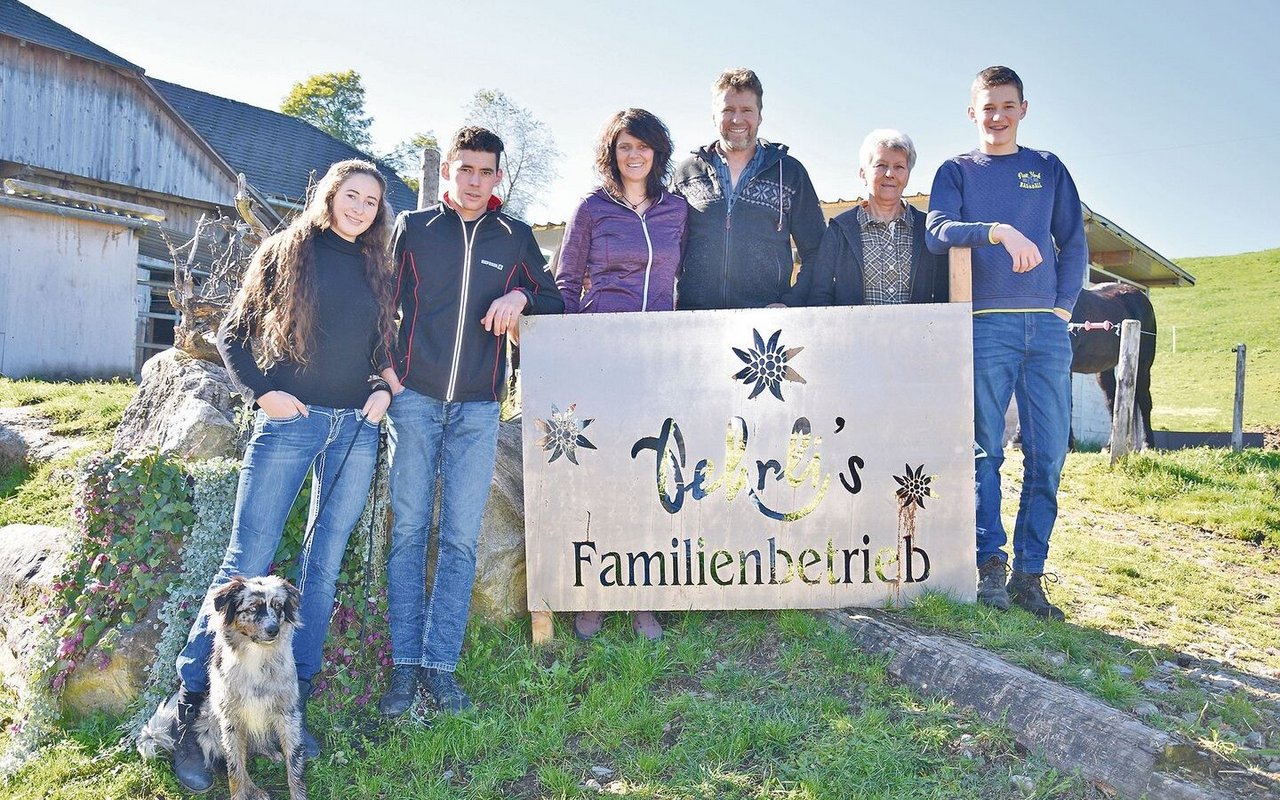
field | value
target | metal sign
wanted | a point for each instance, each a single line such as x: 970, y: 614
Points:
x: 760, y: 458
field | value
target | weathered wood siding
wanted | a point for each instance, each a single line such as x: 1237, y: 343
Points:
x: 72, y: 116
x: 68, y: 296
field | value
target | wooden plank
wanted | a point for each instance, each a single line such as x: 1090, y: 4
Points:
x: 1122, y: 427
x: 543, y: 627
x: 72, y: 116
x: 1074, y: 731
x: 1111, y: 258
x: 79, y: 199
x: 960, y: 261
x: 429, y: 188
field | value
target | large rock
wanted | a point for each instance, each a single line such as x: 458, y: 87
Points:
x: 500, y: 592
x: 118, y: 680
x: 31, y: 556
x: 184, y: 406
x: 25, y: 439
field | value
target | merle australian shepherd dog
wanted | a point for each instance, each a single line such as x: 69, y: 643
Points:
x: 253, y: 687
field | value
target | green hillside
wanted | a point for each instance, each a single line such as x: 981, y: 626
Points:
x: 1235, y: 299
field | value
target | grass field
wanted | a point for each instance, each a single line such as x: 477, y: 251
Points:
x: 87, y: 411
x: 779, y: 705
x: 1236, y: 299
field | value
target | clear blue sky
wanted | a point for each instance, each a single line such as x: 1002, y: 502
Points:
x: 1167, y: 113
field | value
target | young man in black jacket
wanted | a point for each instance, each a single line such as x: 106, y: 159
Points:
x: 466, y: 274
x: 747, y: 200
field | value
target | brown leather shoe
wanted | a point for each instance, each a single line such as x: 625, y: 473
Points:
x: 645, y: 624
x: 587, y: 624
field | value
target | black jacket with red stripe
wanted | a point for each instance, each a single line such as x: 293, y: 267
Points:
x: 449, y: 274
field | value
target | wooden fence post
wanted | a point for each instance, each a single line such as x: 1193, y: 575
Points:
x: 960, y: 260
x: 542, y: 627
x: 1237, y: 416
x: 1122, y: 427
x: 429, y: 188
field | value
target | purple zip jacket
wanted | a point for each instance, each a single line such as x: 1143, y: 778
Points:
x: 613, y: 259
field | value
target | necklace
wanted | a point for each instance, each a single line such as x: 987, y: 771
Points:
x: 635, y: 206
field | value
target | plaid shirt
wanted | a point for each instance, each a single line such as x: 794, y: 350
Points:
x: 886, y: 255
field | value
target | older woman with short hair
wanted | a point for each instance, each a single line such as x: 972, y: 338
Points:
x: 875, y: 253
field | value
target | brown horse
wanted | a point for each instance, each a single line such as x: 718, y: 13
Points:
x: 1096, y: 347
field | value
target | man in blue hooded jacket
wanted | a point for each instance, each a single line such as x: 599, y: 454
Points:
x: 747, y: 200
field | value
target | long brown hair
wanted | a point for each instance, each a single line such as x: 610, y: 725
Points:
x: 277, y: 301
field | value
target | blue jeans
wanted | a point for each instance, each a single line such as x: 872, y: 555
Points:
x: 276, y: 462
x: 1026, y: 355
x: 450, y: 445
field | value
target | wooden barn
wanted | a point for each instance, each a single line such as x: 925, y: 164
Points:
x: 102, y: 167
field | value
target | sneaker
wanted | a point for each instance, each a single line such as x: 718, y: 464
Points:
x: 402, y: 691
x: 445, y: 690
x: 1026, y: 590
x: 991, y: 587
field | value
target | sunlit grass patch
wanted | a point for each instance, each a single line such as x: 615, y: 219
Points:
x: 90, y: 409
x: 1233, y: 494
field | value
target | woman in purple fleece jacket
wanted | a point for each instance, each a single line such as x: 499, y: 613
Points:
x: 621, y: 251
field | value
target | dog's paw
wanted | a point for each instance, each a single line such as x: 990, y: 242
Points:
x: 251, y: 793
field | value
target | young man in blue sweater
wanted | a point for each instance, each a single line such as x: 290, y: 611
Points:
x: 1019, y: 211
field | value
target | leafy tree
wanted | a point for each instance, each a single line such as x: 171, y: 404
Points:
x: 406, y: 157
x: 334, y: 103
x: 530, y: 150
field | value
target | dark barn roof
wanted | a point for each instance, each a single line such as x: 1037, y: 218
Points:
x: 30, y: 25
x: 281, y: 155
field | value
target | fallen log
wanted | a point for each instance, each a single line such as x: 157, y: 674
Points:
x: 1075, y: 732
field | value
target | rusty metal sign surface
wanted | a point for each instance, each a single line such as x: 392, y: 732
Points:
x: 761, y: 458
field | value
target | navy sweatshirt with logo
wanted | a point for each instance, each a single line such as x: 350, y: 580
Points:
x: 1030, y: 190
x: 449, y: 272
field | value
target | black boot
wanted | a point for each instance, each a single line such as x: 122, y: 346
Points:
x: 310, y: 747
x: 991, y: 583
x: 402, y: 691
x: 1026, y: 589
x: 446, y: 692
x: 189, y: 766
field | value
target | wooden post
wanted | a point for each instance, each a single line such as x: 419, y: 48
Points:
x: 1073, y: 731
x: 1122, y: 427
x: 1237, y: 416
x: 429, y: 188
x: 961, y: 263
x: 543, y: 627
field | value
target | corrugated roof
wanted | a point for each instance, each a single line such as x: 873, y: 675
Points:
x: 276, y: 152
x: 25, y: 23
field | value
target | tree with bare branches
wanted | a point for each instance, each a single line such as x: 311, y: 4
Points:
x: 529, y: 161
